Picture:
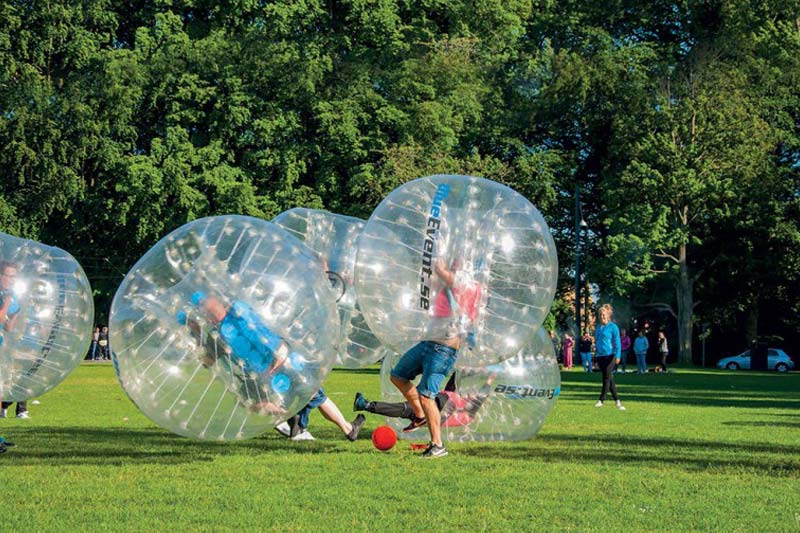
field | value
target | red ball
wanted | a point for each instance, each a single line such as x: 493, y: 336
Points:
x: 384, y: 438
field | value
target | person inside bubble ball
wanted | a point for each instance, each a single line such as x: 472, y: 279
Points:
x: 259, y: 358
x: 455, y: 309
x: 9, y: 313
x: 456, y: 410
x: 296, y: 428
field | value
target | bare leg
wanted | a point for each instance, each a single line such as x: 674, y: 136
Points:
x: 409, y: 390
x: 434, y: 419
x: 331, y: 412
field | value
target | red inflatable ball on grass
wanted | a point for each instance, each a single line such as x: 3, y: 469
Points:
x: 384, y: 438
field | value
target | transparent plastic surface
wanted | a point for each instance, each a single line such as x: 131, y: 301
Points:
x: 224, y: 328
x: 46, y: 317
x: 458, y: 259
x: 333, y: 238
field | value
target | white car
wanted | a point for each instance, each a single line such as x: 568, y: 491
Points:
x: 776, y: 360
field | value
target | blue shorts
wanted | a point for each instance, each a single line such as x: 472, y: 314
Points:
x: 431, y: 359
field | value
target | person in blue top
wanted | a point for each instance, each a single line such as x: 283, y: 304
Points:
x: 263, y: 363
x: 255, y: 355
x: 640, y: 347
x: 9, y: 313
x: 608, y: 348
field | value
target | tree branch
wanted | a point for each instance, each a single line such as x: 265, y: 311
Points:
x: 665, y: 255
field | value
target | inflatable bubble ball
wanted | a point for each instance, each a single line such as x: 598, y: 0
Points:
x: 507, y: 401
x: 46, y: 317
x: 333, y: 238
x: 460, y: 260
x: 225, y: 327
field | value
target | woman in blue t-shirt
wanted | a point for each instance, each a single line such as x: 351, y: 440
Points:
x: 608, y: 353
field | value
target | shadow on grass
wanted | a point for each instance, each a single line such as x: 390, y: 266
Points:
x: 654, y: 395
x: 764, y: 424
x: 607, y: 450
x: 109, y: 446
x: 368, y: 371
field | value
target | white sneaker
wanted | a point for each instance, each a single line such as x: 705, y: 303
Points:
x: 599, y: 404
x: 284, y: 429
x: 3, y: 413
x: 620, y: 406
x: 304, y: 435
x: 24, y: 415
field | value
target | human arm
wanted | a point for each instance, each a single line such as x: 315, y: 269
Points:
x: 616, y: 343
x: 446, y: 275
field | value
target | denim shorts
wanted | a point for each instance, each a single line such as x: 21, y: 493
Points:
x: 431, y: 359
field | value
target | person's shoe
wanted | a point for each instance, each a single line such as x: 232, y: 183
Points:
x: 415, y: 424
x: 360, y: 403
x: 433, y: 451
x: 303, y: 435
x: 294, y: 426
x: 3, y: 447
x: 357, y: 423
x: 23, y: 414
x: 620, y: 406
x: 598, y: 404
x: 3, y: 413
x: 284, y: 429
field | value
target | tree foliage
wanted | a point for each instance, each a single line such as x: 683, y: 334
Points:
x: 119, y: 121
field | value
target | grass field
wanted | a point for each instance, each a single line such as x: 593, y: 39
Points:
x: 696, y: 450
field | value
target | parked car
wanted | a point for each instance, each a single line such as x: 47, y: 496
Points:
x: 776, y: 360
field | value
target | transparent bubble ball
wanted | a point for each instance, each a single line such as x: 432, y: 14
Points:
x: 333, y: 238
x: 494, y: 243
x: 506, y: 401
x: 46, y: 317
x: 225, y: 327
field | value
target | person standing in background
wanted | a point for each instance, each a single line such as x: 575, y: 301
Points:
x: 103, y: 342
x: 585, y: 348
x: 93, y: 351
x: 663, y: 349
x: 625, y: 346
x: 640, y: 347
x: 567, y: 346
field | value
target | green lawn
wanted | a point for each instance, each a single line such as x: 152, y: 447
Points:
x: 696, y: 450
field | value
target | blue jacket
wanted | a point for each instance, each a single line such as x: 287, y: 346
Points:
x: 640, y: 345
x: 606, y: 340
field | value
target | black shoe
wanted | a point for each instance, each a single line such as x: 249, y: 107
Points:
x: 357, y: 423
x: 360, y: 403
x: 434, y: 451
x: 294, y: 426
x: 415, y: 424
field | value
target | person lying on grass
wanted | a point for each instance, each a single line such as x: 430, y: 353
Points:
x: 456, y: 410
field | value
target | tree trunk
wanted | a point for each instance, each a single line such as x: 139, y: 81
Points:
x: 751, y: 327
x: 684, y: 293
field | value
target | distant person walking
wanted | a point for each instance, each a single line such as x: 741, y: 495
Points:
x: 585, y: 348
x: 567, y: 344
x: 640, y: 347
x: 625, y: 347
x: 607, y: 344
x: 663, y: 349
